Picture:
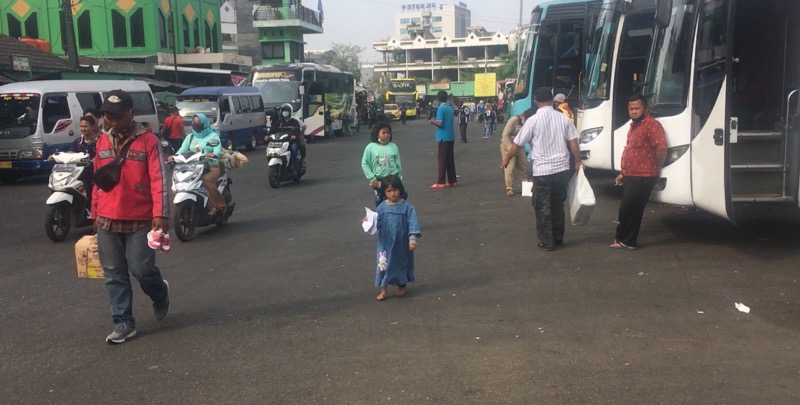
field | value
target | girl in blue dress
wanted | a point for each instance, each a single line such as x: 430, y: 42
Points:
x: 398, y: 230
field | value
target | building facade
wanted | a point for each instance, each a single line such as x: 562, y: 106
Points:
x: 281, y: 26
x: 431, y: 20
x: 442, y: 59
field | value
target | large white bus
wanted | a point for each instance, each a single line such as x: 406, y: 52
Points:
x: 621, y: 37
x: 724, y: 79
x: 308, y: 87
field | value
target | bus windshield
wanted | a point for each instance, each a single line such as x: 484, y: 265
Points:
x: 598, y: 70
x: 526, y: 54
x: 406, y: 100
x: 666, y: 78
x: 192, y: 105
x: 275, y: 93
x: 19, y: 115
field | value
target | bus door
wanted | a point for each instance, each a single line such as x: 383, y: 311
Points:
x: 712, y: 125
x: 315, y: 120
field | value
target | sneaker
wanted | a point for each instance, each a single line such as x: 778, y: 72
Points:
x: 165, y: 242
x: 122, y: 331
x: 154, y: 239
x: 161, y: 309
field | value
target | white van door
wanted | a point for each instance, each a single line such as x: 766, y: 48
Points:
x: 60, y: 120
x: 710, y: 148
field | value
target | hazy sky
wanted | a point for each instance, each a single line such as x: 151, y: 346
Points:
x: 362, y: 22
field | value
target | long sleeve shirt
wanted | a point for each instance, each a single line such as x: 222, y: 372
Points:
x: 380, y: 161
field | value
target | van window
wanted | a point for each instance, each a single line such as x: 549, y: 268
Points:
x: 245, y: 102
x: 55, y: 107
x: 89, y: 100
x: 257, y: 103
x: 142, y: 103
x: 237, y: 105
x: 225, y: 105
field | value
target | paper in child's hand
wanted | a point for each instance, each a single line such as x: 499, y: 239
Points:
x: 370, y: 222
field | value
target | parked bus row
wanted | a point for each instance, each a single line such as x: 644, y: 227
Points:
x: 722, y: 77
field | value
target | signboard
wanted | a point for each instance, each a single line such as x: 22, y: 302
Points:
x: 439, y: 86
x: 20, y: 63
x: 402, y: 86
x: 485, y: 84
x: 276, y: 76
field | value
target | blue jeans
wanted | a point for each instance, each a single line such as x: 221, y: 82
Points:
x: 123, y: 254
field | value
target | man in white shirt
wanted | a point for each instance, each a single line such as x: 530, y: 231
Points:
x: 552, y: 138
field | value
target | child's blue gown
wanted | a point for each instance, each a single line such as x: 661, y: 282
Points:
x: 395, y: 261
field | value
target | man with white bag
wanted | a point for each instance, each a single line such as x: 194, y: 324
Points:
x: 642, y: 159
x: 552, y: 138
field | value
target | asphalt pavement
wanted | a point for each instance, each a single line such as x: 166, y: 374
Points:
x: 279, y: 307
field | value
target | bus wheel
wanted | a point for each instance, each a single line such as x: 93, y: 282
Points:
x: 253, y: 142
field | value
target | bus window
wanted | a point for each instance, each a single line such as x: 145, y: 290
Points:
x: 54, y: 108
x: 89, y: 100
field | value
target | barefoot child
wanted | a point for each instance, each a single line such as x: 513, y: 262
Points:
x: 398, y: 230
x: 381, y: 158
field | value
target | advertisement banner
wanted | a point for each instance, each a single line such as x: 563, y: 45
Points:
x: 485, y: 85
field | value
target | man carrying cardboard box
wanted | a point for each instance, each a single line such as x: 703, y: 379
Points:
x: 125, y: 208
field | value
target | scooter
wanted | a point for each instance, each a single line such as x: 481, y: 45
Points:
x: 279, y: 156
x: 191, y: 198
x: 68, y: 202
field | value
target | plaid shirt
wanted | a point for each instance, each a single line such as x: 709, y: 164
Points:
x: 118, y: 139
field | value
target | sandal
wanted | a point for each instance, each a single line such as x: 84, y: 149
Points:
x: 620, y: 245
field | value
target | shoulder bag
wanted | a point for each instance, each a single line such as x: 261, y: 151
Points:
x: 107, y: 176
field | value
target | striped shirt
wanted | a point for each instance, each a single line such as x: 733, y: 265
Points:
x: 548, y: 132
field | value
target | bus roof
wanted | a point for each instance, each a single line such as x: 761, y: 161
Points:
x: 564, y: 8
x: 289, y: 66
x: 218, y: 91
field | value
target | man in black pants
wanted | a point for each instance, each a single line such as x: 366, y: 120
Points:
x: 642, y: 159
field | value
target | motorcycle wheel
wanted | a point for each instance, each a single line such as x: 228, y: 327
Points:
x: 275, y: 176
x: 183, y: 223
x: 226, y: 194
x: 58, y: 221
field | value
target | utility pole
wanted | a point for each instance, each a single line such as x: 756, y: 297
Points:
x: 69, y: 33
x: 174, y: 39
x: 520, y: 14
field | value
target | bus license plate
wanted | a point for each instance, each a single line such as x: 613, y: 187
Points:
x: 5, y: 165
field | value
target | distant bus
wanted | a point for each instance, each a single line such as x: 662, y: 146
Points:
x: 308, y: 88
x: 403, y: 92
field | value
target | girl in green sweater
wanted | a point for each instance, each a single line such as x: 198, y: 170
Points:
x: 381, y: 158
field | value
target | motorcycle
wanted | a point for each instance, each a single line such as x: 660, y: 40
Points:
x: 191, y: 198
x: 68, y: 202
x: 279, y: 156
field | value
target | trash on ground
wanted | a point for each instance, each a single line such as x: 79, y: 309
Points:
x: 742, y: 308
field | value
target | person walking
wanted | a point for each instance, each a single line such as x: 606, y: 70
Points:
x: 381, y: 158
x: 398, y: 232
x: 173, y: 129
x: 445, y: 139
x: 463, y: 119
x: 552, y: 137
x: 125, y: 212
x: 559, y: 102
x: 481, y: 108
x: 472, y: 114
x: 642, y: 159
x: 403, y: 110
x: 517, y: 162
x: 488, y: 119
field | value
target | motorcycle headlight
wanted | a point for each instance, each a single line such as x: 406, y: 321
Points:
x: 590, y: 134
x: 674, y: 153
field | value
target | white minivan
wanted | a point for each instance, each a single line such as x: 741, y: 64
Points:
x: 39, y: 118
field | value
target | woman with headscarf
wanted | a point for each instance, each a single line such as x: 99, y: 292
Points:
x: 204, y: 139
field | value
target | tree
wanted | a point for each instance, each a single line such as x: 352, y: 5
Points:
x: 345, y: 58
x: 509, y: 68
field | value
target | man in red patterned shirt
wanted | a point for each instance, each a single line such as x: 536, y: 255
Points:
x: 641, y: 168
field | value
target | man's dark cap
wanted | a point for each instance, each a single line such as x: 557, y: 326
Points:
x: 543, y: 95
x: 117, y: 102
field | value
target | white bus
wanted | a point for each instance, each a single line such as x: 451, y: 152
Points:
x: 308, y: 87
x: 621, y: 37
x: 723, y: 79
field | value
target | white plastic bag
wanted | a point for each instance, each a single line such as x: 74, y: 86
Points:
x: 527, y: 189
x: 580, y: 198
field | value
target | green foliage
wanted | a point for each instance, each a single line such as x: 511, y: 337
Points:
x: 509, y: 68
x: 344, y: 57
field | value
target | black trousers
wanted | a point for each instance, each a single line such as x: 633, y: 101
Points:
x: 463, y: 132
x: 635, y: 194
x: 549, y: 195
x: 447, y: 163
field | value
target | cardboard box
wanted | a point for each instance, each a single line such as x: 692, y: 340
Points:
x: 87, y: 258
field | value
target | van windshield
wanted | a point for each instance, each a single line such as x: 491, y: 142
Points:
x: 190, y: 106
x: 19, y: 115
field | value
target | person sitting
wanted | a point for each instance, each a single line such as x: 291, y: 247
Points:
x: 297, y: 128
x: 204, y: 139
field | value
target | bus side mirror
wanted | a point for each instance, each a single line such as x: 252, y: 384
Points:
x: 663, y: 13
